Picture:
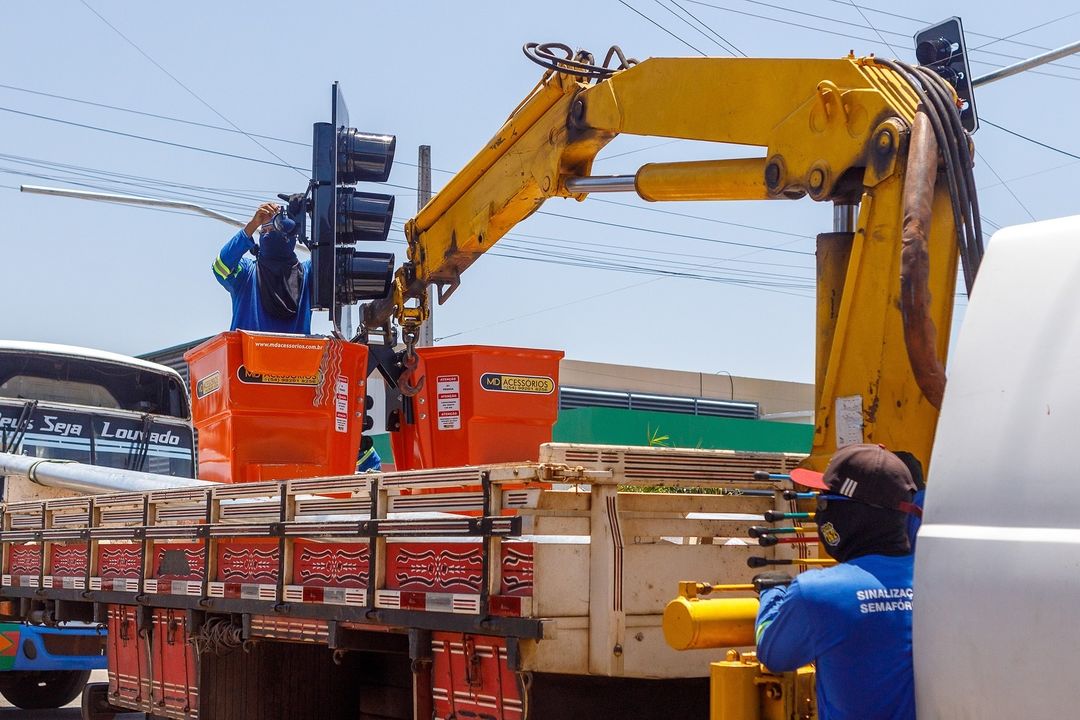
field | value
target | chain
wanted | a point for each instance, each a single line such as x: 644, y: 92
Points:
x: 329, y: 369
x: 409, y: 384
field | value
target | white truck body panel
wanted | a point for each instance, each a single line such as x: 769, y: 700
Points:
x: 997, y: 566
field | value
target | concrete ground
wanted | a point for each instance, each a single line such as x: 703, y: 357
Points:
x: 70, y: 712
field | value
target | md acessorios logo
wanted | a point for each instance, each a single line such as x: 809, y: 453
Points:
x: 529, y: 384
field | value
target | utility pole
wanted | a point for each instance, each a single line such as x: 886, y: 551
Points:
x: 423, y: 194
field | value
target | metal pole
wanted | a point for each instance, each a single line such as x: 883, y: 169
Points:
x: 1023, y: 65
x: 423, y: 195
x: 89, y: 479
x: 602, y: 183
x: 844, y: 217
x: 132, y: 200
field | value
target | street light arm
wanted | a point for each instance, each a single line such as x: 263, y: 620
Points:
x: 133, y: 200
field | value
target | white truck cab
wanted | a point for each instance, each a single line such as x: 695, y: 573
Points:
x: 997, y: 566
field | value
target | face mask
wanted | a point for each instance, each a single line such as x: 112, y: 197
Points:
x: 849, y: 529
x: 276, y: 245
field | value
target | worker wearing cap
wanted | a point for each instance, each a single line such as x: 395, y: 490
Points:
x: 854, y: 619
x: 272, y: 292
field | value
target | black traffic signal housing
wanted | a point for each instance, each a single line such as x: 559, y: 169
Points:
x: 342, y: 216
x: 941, y: 48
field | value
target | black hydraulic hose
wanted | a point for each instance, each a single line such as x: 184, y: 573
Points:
x: 944, y: 117
x: 962, y: 153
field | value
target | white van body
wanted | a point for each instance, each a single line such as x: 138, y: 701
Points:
x: 997, y: 566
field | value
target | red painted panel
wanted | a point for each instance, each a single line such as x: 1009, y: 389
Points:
x: 129, y: 666
x: 330, y: 564
x: 247, y: 561
x: 470, y: 678
x: 517, y: 569
x: 175, y: 684
x: 178, y: 561
x: 120, y: 560
x: 67, y: 560
x: 434, y: 567
x: 24, y: 560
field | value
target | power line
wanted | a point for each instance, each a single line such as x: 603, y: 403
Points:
x: 156, y: 116
x: 1030, y: 140
x: 1008, y: 38
x: 1005, y: 184
x: 703, y: 218
x: 707, y: 27
x: 871, y: 26
x: 695, y: 28
x: 149, y: 139
x: 631, y: 152
x: 684, y: 42
x: 175, y: 79
x: 678, y: 235
x: 849, y: 35
x: 183, y: 121
x: 927, y: 22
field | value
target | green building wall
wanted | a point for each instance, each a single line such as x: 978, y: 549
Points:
x: 613, y: 426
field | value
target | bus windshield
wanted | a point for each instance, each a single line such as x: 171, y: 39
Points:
x: 98, y: 411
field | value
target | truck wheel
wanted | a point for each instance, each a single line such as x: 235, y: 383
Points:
x: 96, y: 705
x: 37, y: 689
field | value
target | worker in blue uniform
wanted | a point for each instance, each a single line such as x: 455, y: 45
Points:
x: 369, y: 460
x: 852, y: 620
x: 272, y: 292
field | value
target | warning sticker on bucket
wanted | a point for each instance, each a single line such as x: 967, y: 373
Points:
x: 532, y: 384
x: 448, y: 401
x: 341, y: 404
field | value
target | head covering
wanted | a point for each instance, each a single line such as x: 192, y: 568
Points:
x: 875, y: 490
x: 867, y: 473
x: 279, y: 275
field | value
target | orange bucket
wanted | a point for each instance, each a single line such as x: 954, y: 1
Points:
x: 254, y: 401
x: 479, y: 404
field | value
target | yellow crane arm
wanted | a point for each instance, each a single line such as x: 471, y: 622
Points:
x: 831, y: 129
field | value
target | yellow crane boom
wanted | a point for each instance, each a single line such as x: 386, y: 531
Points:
x: 834, y: 129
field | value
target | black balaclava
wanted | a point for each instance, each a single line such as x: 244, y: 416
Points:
x: 849, y: 529
x: 279, y: 276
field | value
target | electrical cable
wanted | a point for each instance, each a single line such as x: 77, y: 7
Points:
x: 708, y: 27
x: 1030, y: 140
x: 856, y: 37
x: 191, y: 92
x: 1009, y: 37
x: 696, y: 29
x: 678, y: 235
x: 149, y: 139
x: 1005, y: 185
x: 876, y: 31
x: 669, y: 32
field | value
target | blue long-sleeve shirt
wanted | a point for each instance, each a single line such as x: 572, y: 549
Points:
x: 236, y: 273
x: 854, y: 621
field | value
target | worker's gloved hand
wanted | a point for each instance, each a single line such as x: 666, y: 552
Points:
x: 766, y: 580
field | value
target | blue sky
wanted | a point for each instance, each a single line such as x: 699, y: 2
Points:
x: 447, y: 74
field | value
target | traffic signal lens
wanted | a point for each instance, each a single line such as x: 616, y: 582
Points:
x: 363, y: 216
x: 363, y: 275
x: 935, y: 50
x: 364, y: 157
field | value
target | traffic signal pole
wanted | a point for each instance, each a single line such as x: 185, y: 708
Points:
x: 1033, y: 62
x: 423, y: 195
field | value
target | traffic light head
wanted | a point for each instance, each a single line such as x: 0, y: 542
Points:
x: 941, y: 48
x: 343, y: 216
x: 364, y: 157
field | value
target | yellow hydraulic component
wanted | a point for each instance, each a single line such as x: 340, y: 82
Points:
x: 835, y: 130
x: 741, y: 179
x: 741, y: 689
x: 693, y: 624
